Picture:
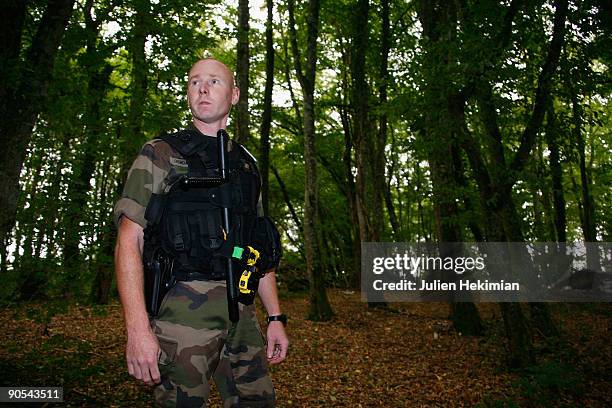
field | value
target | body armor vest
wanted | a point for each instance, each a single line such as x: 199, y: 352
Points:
x: 184, y: 224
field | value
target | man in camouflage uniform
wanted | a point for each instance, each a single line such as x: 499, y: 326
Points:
x: 192, y: 339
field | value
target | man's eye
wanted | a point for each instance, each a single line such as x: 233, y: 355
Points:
x: 214, y: 81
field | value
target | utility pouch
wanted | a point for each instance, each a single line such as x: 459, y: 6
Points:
x: 158, y: 279
x: 265, y: 242
x: 155, y: 208
x: 266, y: 238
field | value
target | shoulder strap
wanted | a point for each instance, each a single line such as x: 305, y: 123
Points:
x: 192, y: 148
x: 184, y: 142
x: 245, y: 150
x: 239, y: 152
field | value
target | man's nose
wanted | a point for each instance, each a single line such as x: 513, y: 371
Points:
x: 203, y: 89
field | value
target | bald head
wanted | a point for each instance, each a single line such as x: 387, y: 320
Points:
x: 229, y: 75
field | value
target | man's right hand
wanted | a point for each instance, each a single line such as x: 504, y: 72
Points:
x: 142, y: 353
x: 142, y: 349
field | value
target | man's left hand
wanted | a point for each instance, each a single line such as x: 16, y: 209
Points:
x: 278, y: 343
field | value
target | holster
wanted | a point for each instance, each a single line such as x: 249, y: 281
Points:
x: 158, y: 279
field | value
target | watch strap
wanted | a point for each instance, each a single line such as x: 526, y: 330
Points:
x: 278, y: 318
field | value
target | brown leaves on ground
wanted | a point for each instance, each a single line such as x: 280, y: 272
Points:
x: 407, y: 356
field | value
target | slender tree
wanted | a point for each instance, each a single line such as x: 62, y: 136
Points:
x: 381, y: 189
x: 552, y: 140
x: 320, y: 308
x: 242, y: 73
x: 359, y: 104
x: 266, y: 120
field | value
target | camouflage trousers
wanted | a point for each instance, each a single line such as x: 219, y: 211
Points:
x: 199, y: 342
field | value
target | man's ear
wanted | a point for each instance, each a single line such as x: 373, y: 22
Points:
x: 235, y: 95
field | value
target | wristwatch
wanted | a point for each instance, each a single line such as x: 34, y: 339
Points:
x: 278, y: 318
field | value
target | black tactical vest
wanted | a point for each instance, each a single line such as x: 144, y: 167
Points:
x: 185, y: 223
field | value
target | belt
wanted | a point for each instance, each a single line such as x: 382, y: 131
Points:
x: 199, y: 276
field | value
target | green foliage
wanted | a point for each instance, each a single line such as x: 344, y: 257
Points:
x: 44, y: 313
x: 491, y: 402
x: 543, y: 384
x: 82, y: 140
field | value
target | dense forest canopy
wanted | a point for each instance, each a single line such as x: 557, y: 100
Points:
x: 375, y: 120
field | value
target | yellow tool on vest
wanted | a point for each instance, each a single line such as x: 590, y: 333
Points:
x: 250, y: 257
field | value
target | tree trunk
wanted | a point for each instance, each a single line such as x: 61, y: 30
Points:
x: 102, y: 284
x: 520, y: 346
x: 588, y: 227
x: 84, y: 165
x: 351, y: 199
x: 395, y: 224
x: 103, y: 262
x: 368, y: 197
x: 381, y: 190
x: 28, y: 219
x: 542, y: 319
x: 349, y: 179
x: 466, y: 319
x: 457, y: 111
x: 420, y: 209
x: 266, y: 120
x: 139, y: 86
x: 320, y: 308
x: 441, y: 132
x: 535, y: 189
x: 378, y: 177
x: 546, y: 198
x: 23, y: 88
x: 556, y: 174
x: 588, y: 206
x: 242, y: 73
x: 361, y: 136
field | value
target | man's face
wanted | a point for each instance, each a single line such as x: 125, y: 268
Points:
x: 211, y: 91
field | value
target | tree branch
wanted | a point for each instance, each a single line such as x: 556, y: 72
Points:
x: 543, y: 91
x: 294, y: 45
x: 501, y: 43
x: 283, y: 188
x: 489, y: 119
x: 334, y: 174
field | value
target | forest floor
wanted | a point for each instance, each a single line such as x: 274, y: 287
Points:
x: 362, y: 358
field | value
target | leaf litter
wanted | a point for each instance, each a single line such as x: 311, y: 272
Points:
x: 408, y: 355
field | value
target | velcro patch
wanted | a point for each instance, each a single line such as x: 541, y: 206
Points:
x: 175, y: 161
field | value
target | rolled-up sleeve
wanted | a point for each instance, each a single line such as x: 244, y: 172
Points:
x: 144, y: 178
